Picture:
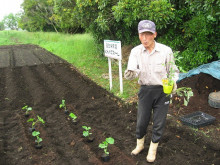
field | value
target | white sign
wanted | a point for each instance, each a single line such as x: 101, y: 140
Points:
x: 112, y: 49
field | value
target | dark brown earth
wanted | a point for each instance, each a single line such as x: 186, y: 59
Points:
x: 31, y: 75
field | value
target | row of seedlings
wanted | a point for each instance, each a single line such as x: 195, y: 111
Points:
x: 87, y: 134
x: 32, y: 129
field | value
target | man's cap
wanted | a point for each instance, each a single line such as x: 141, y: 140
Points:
x: 146, y: 26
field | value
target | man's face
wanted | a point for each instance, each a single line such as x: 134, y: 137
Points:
x: 147, y: 39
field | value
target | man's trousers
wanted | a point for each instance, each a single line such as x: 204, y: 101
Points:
x: 152, y: 100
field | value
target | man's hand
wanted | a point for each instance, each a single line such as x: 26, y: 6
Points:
x: 129, y: 74
x: 174, y: 88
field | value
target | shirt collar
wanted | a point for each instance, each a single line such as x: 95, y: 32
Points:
x: 156, y: 47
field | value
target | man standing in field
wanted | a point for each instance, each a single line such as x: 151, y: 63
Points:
x: 151, y: 62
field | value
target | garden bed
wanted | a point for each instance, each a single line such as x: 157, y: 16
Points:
x: 32, y: 76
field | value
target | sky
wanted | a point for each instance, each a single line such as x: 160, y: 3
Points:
x: 9, y: 6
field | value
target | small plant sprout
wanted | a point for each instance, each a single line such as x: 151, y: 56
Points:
x: 73, y: 116
x: 104, y: 144
x: 35, y: 121
x: 170, y: 75
x: 186, y: 93
x: 38, y: 139
x: 86, y: 133
x: 63, y: 105
x: 27, y: 109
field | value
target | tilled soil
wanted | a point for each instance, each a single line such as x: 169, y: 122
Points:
x: 33, y: 76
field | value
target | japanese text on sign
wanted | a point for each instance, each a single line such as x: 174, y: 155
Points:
x: 112, y: 49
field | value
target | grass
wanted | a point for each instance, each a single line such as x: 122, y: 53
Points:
x: 79, y: 50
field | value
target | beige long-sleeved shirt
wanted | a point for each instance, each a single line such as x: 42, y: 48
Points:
x: 152, y: 68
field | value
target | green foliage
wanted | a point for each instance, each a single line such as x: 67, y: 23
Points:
x: 37, y: 16
x: 35, y: 121
x: 86, y: 133
x: 73, y: 116
x: 2, y: 26
x: 186, y: 93
x: 11, y: 21
x: 104, y: 144
x: 27, y: 109
x: 160, y: 11
x: 37, y: 135
x: 190, y: 27
x: 63, y: 104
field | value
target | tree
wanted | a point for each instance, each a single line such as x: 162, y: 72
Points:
x: 65, y: 16
x: 11, y: 21
x: 37, y: 15
x: 2, y: 26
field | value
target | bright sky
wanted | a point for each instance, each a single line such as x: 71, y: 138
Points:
x: 9, y: 6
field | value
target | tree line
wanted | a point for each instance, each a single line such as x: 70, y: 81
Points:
x: 190, y: 27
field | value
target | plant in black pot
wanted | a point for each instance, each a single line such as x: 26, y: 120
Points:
x: 27, y: 110
x: 73, y: 117
x: 104, y: 145
x: 34, y: 122
x: 38, y: 144
x: 63, y: 106
x: 87, y: 134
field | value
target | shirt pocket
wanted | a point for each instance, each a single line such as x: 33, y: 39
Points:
x: 159, y: 67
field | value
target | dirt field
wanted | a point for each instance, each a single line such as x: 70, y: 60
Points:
x: 31, y: 75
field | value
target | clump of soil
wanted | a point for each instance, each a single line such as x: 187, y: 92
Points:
x: 32, y: 76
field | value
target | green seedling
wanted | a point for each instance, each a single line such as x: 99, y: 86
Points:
x: 104, y: 144
x: 170, y: 75
x: 35, y: 121
x: 186, y: 93
x: 36, y: 134
x: 27, y: 109
x: 73, y: 116
x: 86, y: 133
x: 63, y: 104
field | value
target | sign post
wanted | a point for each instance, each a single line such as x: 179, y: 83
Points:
x: 112, y: 50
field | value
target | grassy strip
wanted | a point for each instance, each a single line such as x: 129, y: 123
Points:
x: 79, y: 50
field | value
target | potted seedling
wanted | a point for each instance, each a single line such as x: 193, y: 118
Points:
x: 63, y: 106
x: 87, y: 134
x: 34, y: 122
x: 104, y: 145
x: 38, y: 144
x: 169, y: 82
x: 74, y: 118
x: 27, y: 109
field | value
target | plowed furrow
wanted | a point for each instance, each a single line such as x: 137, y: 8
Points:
x: 23, y: 55
x: 19, y: 143
x: 46, y: 59
x: 4, y: 58
x: 2, y: 89
x: 38, y: 91
x: 52, y: 82
x: 16, y: 93
x: 72, y: 79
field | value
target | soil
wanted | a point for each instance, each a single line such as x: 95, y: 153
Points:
x: 33, y: 76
